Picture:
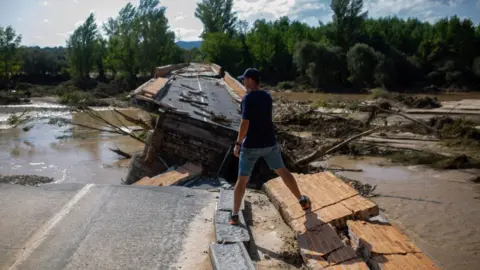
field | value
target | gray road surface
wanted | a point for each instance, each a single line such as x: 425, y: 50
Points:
x: 215, y: 94
x: 74, y: 226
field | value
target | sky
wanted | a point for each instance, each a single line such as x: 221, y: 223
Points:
x: 50, y: 22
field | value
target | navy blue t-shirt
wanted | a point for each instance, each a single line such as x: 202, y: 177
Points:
x: 257, y: 108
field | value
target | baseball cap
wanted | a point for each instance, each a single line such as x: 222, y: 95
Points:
x: 250, y: 73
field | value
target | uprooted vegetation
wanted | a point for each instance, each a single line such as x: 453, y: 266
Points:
x: 308, y: 134
x: 423, y: 102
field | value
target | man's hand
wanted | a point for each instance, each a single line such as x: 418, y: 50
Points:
x: 236, y: 150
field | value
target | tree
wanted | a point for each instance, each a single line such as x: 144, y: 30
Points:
x: 100, y: 57
x: 219, y: 48
x: 9, y: 43
x: 216, y: 16
x: 362, y: 62
x: 156, y: 46
x: 80, y: 49
x: 347, y: 22
x: 324, y: 65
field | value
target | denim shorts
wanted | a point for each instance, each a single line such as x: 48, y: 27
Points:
x: 249, y: 156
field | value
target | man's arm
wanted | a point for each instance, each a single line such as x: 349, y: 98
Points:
x: 242, y: 131
x: 246, y: 115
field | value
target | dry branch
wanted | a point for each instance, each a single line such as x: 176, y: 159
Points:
x: 322, y: 151
x: 121, y: 153
x: 138, y: 122
x: 434, y: 130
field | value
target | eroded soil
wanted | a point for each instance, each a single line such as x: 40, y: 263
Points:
x: 275, y: 245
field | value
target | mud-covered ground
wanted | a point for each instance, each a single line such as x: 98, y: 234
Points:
x: 274, y: 245
x: 424, y: 156
x: 449, y: 142
x: 26, y: 180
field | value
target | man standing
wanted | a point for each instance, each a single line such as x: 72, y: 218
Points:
x: 256, y: 138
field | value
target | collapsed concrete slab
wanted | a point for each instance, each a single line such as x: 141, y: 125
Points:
x: 384, y: 247
x: 225, y: 203
x: 230, y: 256
x: 226, y: 233
x: 173, y: 177
x: 322, y: 248
x: 415, y: 261
x: 333, y: 201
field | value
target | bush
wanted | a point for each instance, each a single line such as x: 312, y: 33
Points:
x: 380, y: 93
x: 80, y: 98
x: 286, y: 85
x: 324, y: 65
x: 362, y: 61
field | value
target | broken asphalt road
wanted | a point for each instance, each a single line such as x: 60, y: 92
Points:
x: 74, y: 226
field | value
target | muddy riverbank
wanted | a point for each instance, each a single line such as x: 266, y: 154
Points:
x: 436, y: 204
x: 65, y: 153
x: 438, y: 210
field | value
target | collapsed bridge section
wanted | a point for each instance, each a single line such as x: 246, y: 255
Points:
x: 198, y: 116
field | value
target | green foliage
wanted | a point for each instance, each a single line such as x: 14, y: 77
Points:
x: 139, y: 39
x: 221, y: 49
x: 380, y: 93
x: 216, y: 16
x: 81, y: 49
x: 362, y: 63
x: 324, y: 65
x: 347, y: 22
x: 80, y: 98
x: 387, y: 52
x: 286, y: 85
x: 9, y: 43
x: 351, y: 50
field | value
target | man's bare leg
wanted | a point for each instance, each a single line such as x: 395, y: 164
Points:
x: 239, y: 192
x: 289, y: 181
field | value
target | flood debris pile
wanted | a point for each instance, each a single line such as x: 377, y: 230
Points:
x: 25, y: 180
x: 408, y: 101
x: 304, y: 116
x: 308, y: 133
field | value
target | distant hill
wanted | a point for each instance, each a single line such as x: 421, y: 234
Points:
x: 189, y: 44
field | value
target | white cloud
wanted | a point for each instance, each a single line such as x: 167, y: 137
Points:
x: 19, y: 19
x: 180, y: 16
x: 76, y: 1
x: 253, y: 9
x: 64, y: 35
x: 421, y: 9
x: 39, y: 37
x: 186, y: 34
x: 309, y: 11
x: 45, y: 20
x: 45, y: 3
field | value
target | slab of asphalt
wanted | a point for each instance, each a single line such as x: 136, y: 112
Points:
x: 73, y: 226
x: 215, y: 94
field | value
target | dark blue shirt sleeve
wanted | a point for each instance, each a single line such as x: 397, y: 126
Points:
x: 246, y: 109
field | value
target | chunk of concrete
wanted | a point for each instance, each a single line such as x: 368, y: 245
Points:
x: 225, y: 203
x: 221, y: 217
x: 230, y: 256
x: 226, y: 233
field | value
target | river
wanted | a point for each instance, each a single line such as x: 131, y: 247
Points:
x: 66, y: 153
x: 453, y: 96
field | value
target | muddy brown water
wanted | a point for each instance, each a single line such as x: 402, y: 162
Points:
x: 67, y: 153
x: 453, y: 96
x: 438, y: 210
